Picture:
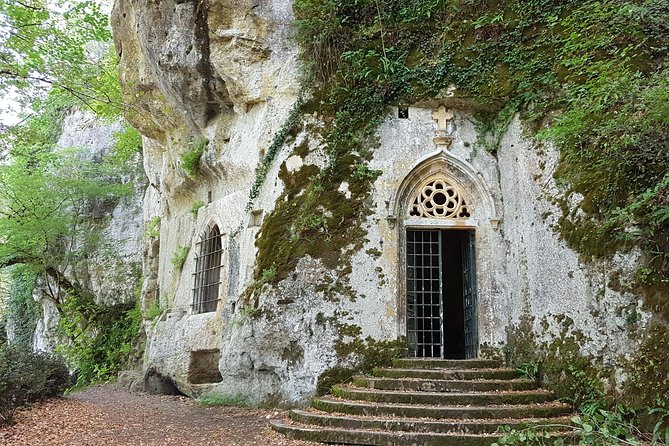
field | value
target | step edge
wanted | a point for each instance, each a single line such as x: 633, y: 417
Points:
x: 472, y: 421
x: 555, y: 403
x: 366, y: 391
x: 299, y: 426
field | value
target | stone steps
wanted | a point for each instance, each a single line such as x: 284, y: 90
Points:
x: 428, y: 411
x: 447, y: 374
x: 444, y: 385
x: 379, y: 438
x: 473, y: 426
x: 420, y: 363
x: 442, y: 398
x: 426, y: 402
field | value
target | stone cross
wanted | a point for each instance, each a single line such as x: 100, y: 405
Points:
x: 444, y: 120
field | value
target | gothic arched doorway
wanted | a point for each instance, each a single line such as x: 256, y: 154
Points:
x: 439, y: 210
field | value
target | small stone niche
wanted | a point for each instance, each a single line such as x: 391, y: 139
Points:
x: 203, y: 367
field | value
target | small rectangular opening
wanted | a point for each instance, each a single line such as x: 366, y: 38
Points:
x: 403, y: 112
x: 203, y: 367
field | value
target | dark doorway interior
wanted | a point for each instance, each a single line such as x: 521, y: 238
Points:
x: 454, y: 319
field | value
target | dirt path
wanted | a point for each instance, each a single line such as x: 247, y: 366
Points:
x: 104, y: 415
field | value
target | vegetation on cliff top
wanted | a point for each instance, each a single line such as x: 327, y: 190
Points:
x: 589, y: 76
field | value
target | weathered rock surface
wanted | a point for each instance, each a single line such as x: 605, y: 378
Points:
x: 227, y: 71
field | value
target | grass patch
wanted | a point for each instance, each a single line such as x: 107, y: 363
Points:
x: 235, y: 399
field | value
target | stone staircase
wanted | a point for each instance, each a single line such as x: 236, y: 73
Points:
x: 426, y: 402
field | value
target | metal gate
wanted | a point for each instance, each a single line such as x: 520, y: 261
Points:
x: 424, y: 293
x: 469, y: 295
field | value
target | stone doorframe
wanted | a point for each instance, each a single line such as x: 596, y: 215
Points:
x: 466, y: 181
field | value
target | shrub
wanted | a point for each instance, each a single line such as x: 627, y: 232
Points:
x: 27, y: 377
x: 190, y: 160
x: 102, y: 337
x: 179, y: 257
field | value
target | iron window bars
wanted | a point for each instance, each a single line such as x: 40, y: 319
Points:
x: 207, y: 276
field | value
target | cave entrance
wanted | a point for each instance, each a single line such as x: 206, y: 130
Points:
x: 441, y: 293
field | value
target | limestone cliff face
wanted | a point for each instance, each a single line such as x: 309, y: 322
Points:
x: 112, y: 269
x: 226, y: 71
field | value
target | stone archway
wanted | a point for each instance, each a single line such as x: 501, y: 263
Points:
x: 438, y: 210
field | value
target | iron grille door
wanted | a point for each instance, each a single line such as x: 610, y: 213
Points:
x: 469, y: 295
x: 424, y: 293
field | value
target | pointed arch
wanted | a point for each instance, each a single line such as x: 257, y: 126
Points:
x: 467, y: 199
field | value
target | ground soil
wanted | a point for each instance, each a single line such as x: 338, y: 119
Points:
x: 105, y: 415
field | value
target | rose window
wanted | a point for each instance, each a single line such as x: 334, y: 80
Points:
x: 438, y: 199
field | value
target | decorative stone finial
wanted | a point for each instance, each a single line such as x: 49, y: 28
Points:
x: 445, y: 126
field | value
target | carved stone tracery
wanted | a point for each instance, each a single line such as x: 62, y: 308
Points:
x: 438, y: 199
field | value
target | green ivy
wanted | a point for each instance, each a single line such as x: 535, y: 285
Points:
x: 278, y: 142
x: 22, y: 308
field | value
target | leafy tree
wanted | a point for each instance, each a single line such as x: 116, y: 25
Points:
x: 48, y: 205
x: 56, y: 57
x: 61, y: 45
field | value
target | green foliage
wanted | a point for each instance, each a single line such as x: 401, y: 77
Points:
x: 592, y: 73
x: 127, y: 148
x: 27, y: 377
x: 268, y: 275
x: 153, y: 311
x: 22, y: 307
x: 101, y: 337
x: 50, y: 195
x: 190, y: 159
x: 594, y: 426
x: 237, y: 400
x: 61, y: 48
x: 362, y: 172
x: 196, y: 207
x: 179, y: 257
x: 56, y: 58
x: 153, y: 227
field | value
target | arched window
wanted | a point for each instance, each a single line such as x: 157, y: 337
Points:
x: 207, y: 271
